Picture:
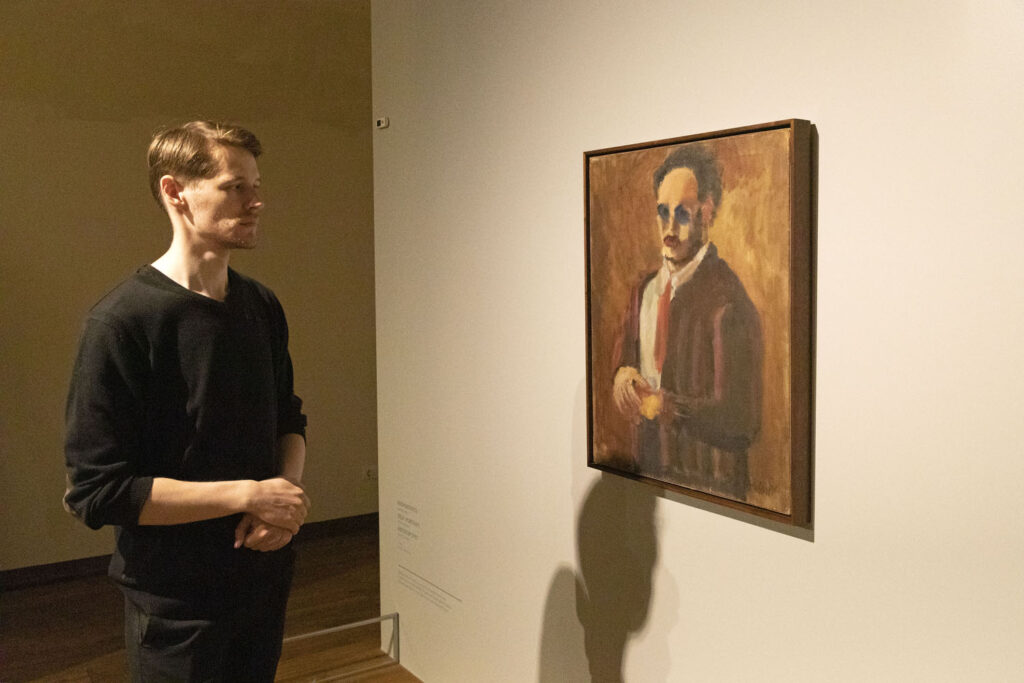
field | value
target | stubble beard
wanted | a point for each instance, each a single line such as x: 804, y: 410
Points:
x: 243, y: 242
x: 232, y: 243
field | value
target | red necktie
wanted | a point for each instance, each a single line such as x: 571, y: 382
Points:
x: 661, y: 334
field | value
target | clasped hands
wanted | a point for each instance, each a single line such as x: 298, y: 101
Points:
x: 276, y: 509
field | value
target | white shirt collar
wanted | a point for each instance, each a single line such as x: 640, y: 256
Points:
x: 684, y: 274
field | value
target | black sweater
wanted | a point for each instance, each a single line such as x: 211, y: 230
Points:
x: 169, y: 383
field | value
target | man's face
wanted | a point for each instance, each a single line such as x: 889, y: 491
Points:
x: 223, y: 211
x: 682, y: 219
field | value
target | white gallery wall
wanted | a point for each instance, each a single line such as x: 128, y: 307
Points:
x: 507, y: 558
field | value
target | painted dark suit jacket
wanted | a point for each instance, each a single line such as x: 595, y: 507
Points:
x: 712, y: 382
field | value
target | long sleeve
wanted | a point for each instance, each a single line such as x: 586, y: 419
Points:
x: 103, y: 417
x: 290, y: 418
x: 730, y: 416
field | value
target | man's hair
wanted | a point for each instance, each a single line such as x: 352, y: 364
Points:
x: 187, y: 151
x: 699, y: 159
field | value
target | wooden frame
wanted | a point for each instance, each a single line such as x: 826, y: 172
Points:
x: 699, y: 316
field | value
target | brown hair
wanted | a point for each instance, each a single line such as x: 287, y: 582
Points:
x: 699, y: 159
x: 186, y: 151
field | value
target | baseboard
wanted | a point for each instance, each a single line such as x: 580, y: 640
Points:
x: 41, y: 574
x: 336, y: 527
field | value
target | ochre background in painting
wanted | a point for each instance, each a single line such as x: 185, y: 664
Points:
x: 752, y: 234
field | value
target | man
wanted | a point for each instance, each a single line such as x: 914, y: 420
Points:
x: 183, y: 431
x: 689, y: 372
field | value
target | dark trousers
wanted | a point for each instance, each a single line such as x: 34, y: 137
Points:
x: 242, y: 644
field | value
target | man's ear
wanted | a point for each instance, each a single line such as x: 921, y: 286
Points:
x: 171, y: 192
x: 707, y: 212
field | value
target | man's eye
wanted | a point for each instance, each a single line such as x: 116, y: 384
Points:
x: 663, y: 212
x: 682, y: 215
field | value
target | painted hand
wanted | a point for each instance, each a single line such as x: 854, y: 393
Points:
x: 628, y: 389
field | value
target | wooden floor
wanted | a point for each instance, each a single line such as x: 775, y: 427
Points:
x: 72, y: 630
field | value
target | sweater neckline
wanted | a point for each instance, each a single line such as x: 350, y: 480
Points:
x: 153, y: 276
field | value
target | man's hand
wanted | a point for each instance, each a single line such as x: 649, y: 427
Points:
x: 255, y: 534
x: 627, y: 390
x: 278, y: 502
x: 679, y: 407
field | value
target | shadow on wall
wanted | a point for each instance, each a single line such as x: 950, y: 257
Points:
x: 590, y: 615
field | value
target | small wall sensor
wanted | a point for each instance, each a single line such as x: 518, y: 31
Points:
x: 382, y: 122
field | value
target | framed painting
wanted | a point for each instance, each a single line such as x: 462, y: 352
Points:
x: 699, y: 316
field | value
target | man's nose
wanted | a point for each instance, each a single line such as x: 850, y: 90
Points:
x: 256, y: 201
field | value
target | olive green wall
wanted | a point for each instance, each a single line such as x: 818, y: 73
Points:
x: 82, y: 87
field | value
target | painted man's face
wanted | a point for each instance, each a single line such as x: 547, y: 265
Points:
x: 683, y: 220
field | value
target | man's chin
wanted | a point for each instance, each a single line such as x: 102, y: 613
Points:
x: 240, y: 243
x: 679, y: 254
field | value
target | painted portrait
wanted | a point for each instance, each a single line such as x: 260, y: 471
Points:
x: 691, y: 260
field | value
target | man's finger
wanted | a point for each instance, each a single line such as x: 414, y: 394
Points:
x: 626, y: 398
x: 630, y: 397
x: 255, y: 539
x: 270, y: 539
x: 242, y: 530
x: 291, y: 525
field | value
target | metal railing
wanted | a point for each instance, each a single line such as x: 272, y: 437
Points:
x: 395, y: 645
